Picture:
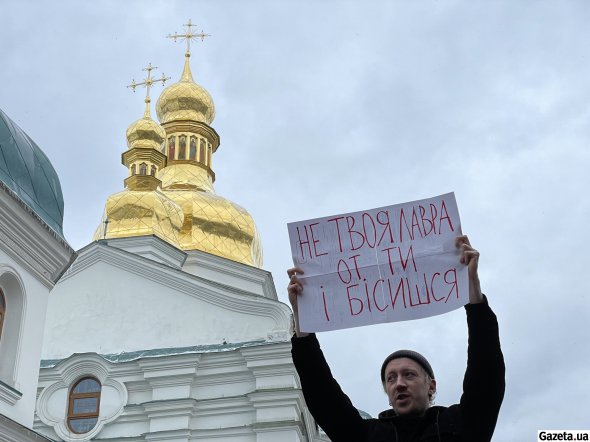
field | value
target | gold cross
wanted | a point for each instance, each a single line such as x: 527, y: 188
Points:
x: 188, y: 36
x: 149, y: 81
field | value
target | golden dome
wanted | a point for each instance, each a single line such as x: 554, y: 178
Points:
x: 218, y: 226
x: 145, y: 133
x: 138, y: 213
x: 186, y: 177
x: 185, y: 101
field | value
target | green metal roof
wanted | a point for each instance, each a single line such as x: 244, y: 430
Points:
x: 27, y: 172
x: 163, y: 352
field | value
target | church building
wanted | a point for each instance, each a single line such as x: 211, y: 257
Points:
x: 33, y: 256
x: 165, y: 327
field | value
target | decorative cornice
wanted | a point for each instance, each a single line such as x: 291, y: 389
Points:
x: 195, y: 127
x: 158, y: 355
x: 34, y: 214
x: 74, y: 368
x: 9, y: 394
x: 30, y: 241
x: 233, y: 269
x: 12, y: 431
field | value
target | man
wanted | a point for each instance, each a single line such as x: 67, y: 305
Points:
x: 409, y: 381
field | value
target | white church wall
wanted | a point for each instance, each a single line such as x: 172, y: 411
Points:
x: 184, y: 397
x: 115, y: 305
x: 21, y: 341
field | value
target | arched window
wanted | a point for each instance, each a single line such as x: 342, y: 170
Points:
x: 181, y: 147
x: 193, y: 149
x: 171, y: 148
x: 133, y: 169
x: 202, y: 148
x: 2, y: 311
x: 153, y: 170
x: 143, y: 169
x: 84, y: 404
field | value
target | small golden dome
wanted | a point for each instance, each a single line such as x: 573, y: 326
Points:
x: 185, y: 100
x: 145, y: 133
x: 139, y: 213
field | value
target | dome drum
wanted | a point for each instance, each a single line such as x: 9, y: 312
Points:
x: 142, y: 182
x: 153, y: 156
x: 207, y: 169
x: 193, y: 127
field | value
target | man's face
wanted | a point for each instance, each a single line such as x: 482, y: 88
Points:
x: 408, y: 387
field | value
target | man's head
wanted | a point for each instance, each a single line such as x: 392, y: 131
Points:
x: 408, y: 380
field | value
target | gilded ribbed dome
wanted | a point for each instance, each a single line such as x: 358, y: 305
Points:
x: 216, y: 225
x: 138, y: 213
x: 145, y: 133
x: 185, y: 101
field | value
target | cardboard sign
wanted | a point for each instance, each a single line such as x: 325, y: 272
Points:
x: 382, y: 265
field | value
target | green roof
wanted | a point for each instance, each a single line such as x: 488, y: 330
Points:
x: 162, y: 352
x: 27, y: 172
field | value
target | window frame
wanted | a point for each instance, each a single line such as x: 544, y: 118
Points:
x: 79, y: 416
x: 2, y: 311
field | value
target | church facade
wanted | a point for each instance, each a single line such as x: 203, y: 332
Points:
x: 165, y: 327
x: 33, y: 256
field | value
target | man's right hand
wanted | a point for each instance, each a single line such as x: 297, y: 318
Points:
x: 295, y: 289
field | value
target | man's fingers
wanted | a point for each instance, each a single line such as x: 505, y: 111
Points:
x: 469, y: 257
x: 294, y: 271
x: 461, y: 240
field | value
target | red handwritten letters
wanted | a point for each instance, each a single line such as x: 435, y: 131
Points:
x: 380, y: 265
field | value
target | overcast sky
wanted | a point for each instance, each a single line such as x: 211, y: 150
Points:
x: 332, y: 107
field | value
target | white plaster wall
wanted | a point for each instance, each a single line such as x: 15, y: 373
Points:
x: 106, y: 309
x: 30, y: 343
x: 238, y: 412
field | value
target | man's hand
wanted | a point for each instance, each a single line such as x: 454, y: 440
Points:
x: 470, y: 257
x: 295, y: 289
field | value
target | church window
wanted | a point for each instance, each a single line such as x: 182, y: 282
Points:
x: 208, y: 154
x: 182, y: 147
x: 2, y: 311
x: 133, y: 169
x: 193, y: 148
x: 202, y: 151
x: 171, y: 148
x: 153, y: 170
x: 143, y: 169
x: 84, y: 404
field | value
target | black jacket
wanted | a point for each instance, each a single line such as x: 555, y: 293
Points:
x: 473, y: 419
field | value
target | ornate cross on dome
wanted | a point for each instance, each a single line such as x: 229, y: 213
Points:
x: 149, y: 81
x: 188, y: 36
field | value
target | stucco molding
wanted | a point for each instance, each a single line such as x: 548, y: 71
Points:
x: 68, y: 372
x: 31, y: 243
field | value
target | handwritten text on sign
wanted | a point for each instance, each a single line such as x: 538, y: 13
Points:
x: 382, y: 265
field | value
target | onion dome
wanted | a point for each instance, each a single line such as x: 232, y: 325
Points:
x: 218, y: 226
x: 145, y: 133
x: 138, y: 213
x: 142, y: 208
x: 28, y: 174
x: 185, y: 100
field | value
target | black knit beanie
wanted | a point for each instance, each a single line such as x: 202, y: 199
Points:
x: 414, y: 355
